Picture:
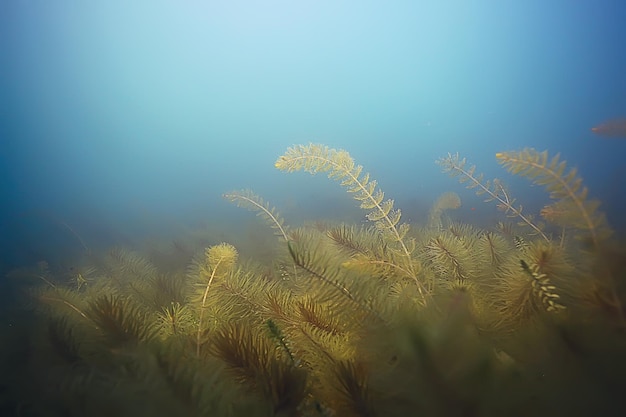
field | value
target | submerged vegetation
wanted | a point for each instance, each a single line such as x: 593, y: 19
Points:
x: 385, y: 318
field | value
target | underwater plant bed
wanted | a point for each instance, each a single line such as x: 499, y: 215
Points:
x: 383, y: 318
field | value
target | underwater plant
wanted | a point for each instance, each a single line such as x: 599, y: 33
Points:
x: 572, y: 208
x: 494, y: 190
x: 340, y: 166
x: 382, y: 318
x: 218, y: 261
x: 446, y: 201
x: 254, y: 202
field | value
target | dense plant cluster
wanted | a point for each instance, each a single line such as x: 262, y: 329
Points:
x: 383, y: 319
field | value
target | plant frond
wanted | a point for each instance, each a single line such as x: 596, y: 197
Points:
x: 565, y: 186
x: 352, y: 384
x: 320, y: 316
x: 243, y: 294
x: 319, y: 349
x: 529, y: 285
x: 63, y: 339
x: 370, y: 255
x: 63, y: 301
x: 202, y: 386
x: 124, y: 264
x: 247, y: 355
x: 168, y: 289
x: 551, y: 271
x: 324, y: 269
x: 465, y: 232
x: 543, y: 288
x: 446, y: 201
x: 283, y: 343
x: 450, y: 258
x: 251, y: 201
x: 219, y: 261
x: 353, y: 240
x: 81, y: 277
x: 120, y: 320
x: 494, y: 249
x: 339, y: 165
x: 494, y: 190
x: 175, y: 319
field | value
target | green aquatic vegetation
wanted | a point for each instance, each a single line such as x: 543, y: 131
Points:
x: 382, y: 318
x: 493, y: 190
x: 341, y: 167
x: 251, y: 201
x: 572, y: 208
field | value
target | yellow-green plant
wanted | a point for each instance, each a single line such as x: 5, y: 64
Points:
x: 451, y: 258
x: 572, y: 208
x: 121, y: 319
x: 218, y: 261
x: 519, y: 318
x: 175, y: 319
x: 254, y: 362
x: 340, y: 166
x: 494, y: 190
x: 251, y: 201
x: 446, y: 201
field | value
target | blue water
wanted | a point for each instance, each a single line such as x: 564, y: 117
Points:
x: 122, y: 120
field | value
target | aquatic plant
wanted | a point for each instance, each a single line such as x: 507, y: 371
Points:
x: 494, y: 190
x: 572, y: 208
x: 382, y: 318
x: 254, y: 202
x: 340, y: 166
x: 446, y: 201
x: 218, y: 261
